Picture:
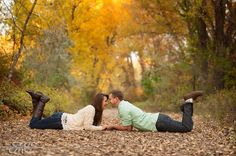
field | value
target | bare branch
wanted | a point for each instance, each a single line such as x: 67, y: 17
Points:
x: 13, y: 19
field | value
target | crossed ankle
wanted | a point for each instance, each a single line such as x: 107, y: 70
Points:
x: 189, y: 100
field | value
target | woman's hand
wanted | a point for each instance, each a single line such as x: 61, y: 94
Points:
x: 104, y: 127
x: 107, y: 127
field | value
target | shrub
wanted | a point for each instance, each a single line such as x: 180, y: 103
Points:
x: 14, y: 100
x: 168, y: 100
x: 60, y: 100
x: 220, y: 106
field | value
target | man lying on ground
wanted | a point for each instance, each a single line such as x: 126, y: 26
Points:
x: 132, y: 116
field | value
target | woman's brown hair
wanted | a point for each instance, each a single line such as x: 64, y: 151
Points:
x: 97, y: 104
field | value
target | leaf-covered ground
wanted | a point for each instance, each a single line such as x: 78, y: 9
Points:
x: 206, y: 139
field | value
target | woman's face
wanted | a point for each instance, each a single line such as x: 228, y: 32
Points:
x: 104, y: 102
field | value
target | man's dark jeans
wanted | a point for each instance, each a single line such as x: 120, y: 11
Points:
x: 166, y: 124
x: 52, y: 122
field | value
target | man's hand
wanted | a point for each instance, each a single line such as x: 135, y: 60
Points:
x: 119, y: 127
x: 110, y: 127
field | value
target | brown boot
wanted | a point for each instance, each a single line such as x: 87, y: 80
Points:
x: 35, y: 98
x: 194, y: 95
x: 40, y: 106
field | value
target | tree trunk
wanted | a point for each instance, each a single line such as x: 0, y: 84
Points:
x: 202, y: 44
x: 18, y: 54
x: 141, y: 62
x: 220, y: 50
x: 132, y: 72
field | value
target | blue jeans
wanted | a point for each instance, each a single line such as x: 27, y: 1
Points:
x: 166, y: 124
x: 52, y: 122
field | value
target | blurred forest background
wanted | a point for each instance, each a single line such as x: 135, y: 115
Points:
x: 153, y: 50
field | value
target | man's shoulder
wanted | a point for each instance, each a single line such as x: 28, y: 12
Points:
x: 125, y: 106
x: 124, y: 103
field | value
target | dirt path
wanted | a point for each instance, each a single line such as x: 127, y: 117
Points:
x: 206, y: 139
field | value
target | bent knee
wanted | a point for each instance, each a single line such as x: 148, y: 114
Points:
x: 32, y: 126
x: 188, y: 129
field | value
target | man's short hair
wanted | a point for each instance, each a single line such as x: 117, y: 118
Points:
x: 117, y: 93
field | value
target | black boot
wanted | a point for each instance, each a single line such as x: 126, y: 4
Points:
x: 40, y: 106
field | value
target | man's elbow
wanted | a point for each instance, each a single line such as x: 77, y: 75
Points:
x: 129, y: 128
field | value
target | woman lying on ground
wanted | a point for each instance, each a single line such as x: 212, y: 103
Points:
x: 87, y: 118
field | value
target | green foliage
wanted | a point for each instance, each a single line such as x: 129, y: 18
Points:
x: 164, y: 86
x: 86, y: 95
x: 14, y: 98
x: 4, y: 65
x: 50, y: 61
x: 149, y: 82
x: 220, y: 106
x: 230, y: 76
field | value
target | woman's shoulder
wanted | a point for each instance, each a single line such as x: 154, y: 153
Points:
x: 89, y: 108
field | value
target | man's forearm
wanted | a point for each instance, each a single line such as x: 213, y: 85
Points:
x: 122, y: 128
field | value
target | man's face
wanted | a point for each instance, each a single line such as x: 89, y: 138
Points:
x: 113, y: 100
